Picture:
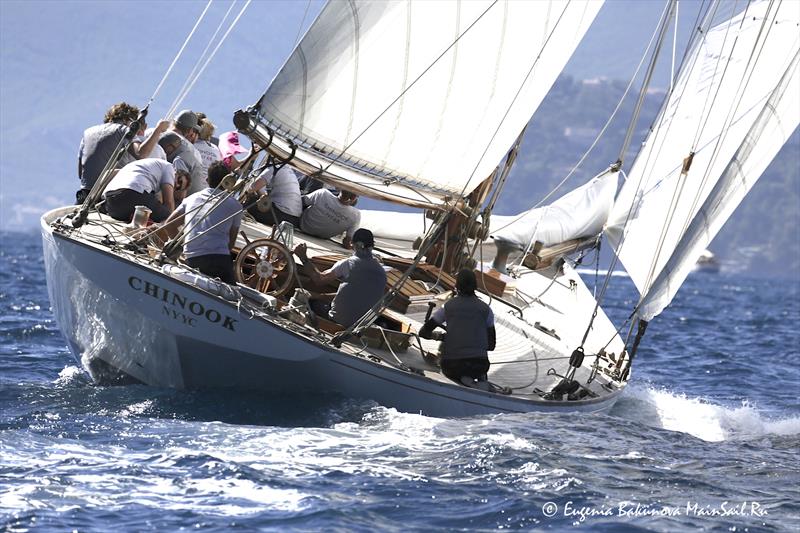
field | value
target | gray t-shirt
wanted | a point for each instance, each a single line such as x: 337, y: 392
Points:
x: 191, y: 157
x: 285, y: 190
x: 325, y: 216
x: 363, y: 281
x: 202, y: 216
x: 97, y: 145
x: 143, y: 175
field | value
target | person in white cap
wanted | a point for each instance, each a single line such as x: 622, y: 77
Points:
x: 186, y: 126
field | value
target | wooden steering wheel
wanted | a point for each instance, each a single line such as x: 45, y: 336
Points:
x: 265, y: 265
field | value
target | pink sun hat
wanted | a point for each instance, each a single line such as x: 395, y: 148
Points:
x: 229, y: 146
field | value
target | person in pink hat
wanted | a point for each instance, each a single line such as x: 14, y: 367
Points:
x: 229, y: 146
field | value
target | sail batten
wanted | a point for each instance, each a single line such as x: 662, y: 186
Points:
x: 431, y: 93
x: 728, y: 78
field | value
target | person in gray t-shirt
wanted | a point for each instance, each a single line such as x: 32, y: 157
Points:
x: 326, y: 215
x: 99, y: 142
x: 362, y: 278
x: 186, y: 126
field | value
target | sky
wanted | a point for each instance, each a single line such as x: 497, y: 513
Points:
x: 63, y: 63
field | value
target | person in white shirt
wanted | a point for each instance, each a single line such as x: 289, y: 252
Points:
x: 140, y: 183
x: 209, y: 152
x: 212, y: 220
x: 327, y: 215
x: 285, y: 195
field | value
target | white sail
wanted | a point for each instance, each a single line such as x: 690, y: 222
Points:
x: 778, y: 119
x: 725, y: 82
x: 430, y: 93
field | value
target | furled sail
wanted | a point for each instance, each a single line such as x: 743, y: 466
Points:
x: 428, y: 94
x: 727, y: 79
x: 579, y: 213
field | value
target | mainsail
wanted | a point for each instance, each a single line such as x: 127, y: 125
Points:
x: 734, y: 105
x: 428, y: 95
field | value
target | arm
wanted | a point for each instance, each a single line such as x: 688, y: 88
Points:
x: 174, y: 221
x: 310, y: 269
x: 143, y: 150
x: 436, y: 320
x: 234, y: 231
x: 168, y: 196
x: 491, y: 335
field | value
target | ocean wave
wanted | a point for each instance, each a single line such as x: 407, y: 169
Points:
x: 700, y: 417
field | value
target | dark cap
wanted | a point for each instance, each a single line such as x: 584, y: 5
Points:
x: 187, y: 119
x: 364, y: 236
x: 466, y: 283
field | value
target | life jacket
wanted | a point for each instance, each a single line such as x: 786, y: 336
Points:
x: 466, y: 337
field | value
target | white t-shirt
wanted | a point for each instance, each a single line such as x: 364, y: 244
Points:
x: 285, y: 190
x: 157, y: 152
x: 202, y: 216
x: 143, y: 175
x: 325, y: 216
x: 209, y: 153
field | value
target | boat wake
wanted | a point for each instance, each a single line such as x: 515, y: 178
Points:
x: 699, y: 417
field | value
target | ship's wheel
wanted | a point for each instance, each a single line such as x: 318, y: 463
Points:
x: 265, y: 265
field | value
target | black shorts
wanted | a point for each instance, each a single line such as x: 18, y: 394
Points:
x: 214, y: 266
x: 270, y: 220
x: 474, y: 367
x: 121, y: 204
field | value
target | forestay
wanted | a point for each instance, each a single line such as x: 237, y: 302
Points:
x: 429, y: 93
x: 728, y: 79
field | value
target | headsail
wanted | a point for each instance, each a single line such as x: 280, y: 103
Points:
x: 729, y: 78
x: 425, y: 94
x: 750, y: 161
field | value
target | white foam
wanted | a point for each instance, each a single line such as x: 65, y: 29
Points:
x: 69, y: 375
x: 702, y: 418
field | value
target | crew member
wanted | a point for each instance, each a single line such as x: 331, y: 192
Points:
x: 326, y: 215
x: 470, y: 333
x: 362, y: 281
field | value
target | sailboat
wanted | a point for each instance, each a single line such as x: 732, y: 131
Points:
x: 424, y: 105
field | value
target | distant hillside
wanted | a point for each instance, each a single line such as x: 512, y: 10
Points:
x: 762, y: 237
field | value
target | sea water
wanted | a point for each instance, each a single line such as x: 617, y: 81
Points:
x: 706, y: 436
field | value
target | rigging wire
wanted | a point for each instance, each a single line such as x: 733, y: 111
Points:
x: 178, y: 55
x: 182, y: 92
x: 744, y: 81
x: 596, y: 139
x: 699, y: 34
x: 404, y: 91
x: 213, y: 53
